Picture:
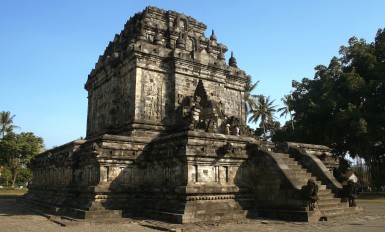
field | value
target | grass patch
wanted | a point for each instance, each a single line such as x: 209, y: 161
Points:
x: 12, y: 193
x: 375, y: 197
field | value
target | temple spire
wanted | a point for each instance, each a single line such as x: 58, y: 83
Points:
x: 213, y: 36
x: 233, y: 61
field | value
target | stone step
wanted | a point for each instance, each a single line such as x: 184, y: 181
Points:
x: 329, y: 206
x: 298, y: 170
x: 291, y: 162
x: 324, y: 192
x: 321, y: 187
x: 286, y: 155
x: 93, y: 214
x: 332, y: 212
x: 347, y: 211
x: 303, y: 181
x: 328, y: 197
x: 323, y: 201
x: 303, y: 177
x: 215, y: 216
x: 294, y: 166
x: 319, y: 183
x: 327, y: 203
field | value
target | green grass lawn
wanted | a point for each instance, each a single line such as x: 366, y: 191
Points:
x: 12, y: 193
x: 375, y: 197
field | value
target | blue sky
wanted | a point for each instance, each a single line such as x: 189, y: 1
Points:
x: 49, y: 47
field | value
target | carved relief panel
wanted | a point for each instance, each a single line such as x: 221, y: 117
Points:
x: 127, y: 98
x: 153, y: 96
x: 233, y: 103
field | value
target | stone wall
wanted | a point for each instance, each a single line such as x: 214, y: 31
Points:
x: 151, y: 67
x: 169, y: 177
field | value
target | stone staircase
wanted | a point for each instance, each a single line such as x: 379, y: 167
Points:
x: 329, y: 205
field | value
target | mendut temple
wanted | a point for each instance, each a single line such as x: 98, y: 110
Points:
x: 167, y: 139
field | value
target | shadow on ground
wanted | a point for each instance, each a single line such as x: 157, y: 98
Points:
x: 10, y: 207
x: 368, y: 197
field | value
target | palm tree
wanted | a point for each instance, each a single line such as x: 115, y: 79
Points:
x: 6, y: 121
x: 286, y: 110
x: 248, y: 97
x: 264, y: 111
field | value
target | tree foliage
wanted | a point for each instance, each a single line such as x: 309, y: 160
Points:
x: 6, y: 122
x: 25, y: 175
x: 249, y: 98
x: 6, y: 176
x: 344, y: 105
x: 16, y: 150
x: 263, y: 113
x: 286, y: 109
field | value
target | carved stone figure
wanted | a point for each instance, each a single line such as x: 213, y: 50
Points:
x: 352, y: 193
x: 310, y: 194
x: 227, y: 129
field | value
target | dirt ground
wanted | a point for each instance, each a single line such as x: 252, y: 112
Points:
x: 14, y: 217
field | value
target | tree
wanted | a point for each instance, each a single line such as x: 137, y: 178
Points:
x: 249, y: 98
x: 17, y: 150
x: 344, y: 105
x: 6, y: 176
x: 6, y: 121
x: 25, y: 175
x: 264, y: 113
x: 286, y: 110
x: 284, y: 134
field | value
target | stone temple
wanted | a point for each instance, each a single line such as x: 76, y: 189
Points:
x: 166, y: 139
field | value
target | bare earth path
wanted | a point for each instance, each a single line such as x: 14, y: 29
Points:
x: 13, y: 217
